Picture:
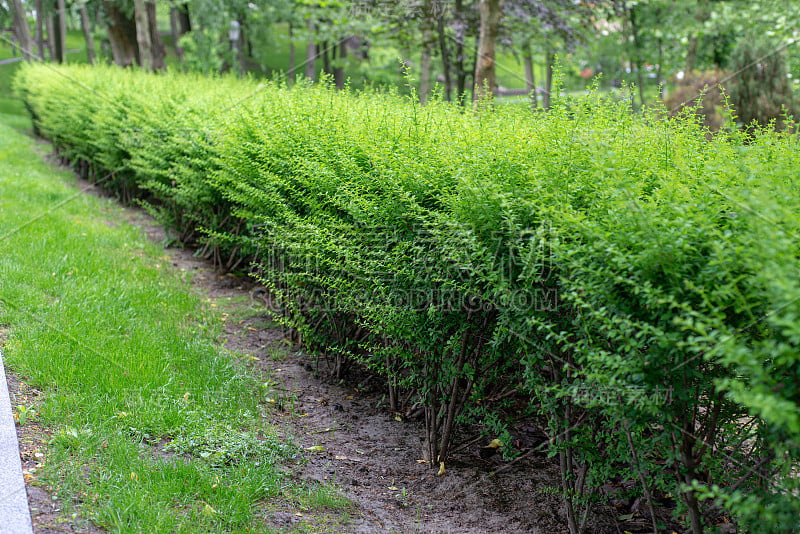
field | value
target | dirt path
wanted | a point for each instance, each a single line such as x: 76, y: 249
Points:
x: 371, y: 456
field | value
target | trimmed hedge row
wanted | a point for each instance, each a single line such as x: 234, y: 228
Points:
x: 636, y: 282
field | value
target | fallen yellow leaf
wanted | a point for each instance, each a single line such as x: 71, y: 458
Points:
x: 442, y: 470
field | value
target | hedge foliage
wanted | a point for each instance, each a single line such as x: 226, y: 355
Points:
x: 635, y: 281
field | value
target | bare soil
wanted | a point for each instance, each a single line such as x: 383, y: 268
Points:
x: 48, y: 514
x: 372, y: 455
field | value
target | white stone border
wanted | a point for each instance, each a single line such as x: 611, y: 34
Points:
x: 15, y: 516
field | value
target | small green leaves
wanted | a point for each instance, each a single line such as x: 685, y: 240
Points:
x: 22, y: 413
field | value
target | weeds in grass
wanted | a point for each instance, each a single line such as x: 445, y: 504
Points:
x: 22, y: 413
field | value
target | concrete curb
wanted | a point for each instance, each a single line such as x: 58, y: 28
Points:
x: 15, y: 516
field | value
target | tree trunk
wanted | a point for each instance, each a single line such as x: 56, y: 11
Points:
x: 691, y: 55
x: 184, y: 20
x: 157, y: 48
x: 460, y: 54
x: 637, y: 53
x: 701, y: 15
x: 244, y: 47
x: 60, y: 32
x: 338, y: 72
x: 175, y: 31
x: 425, y: 66
x: 311, y: 53
x: 689, y: 497
x: 426, y: 56
x: 87, y: 34
x: 143, y: 34
x: 548, y: 81
x: 491, y: 13
x: 290, y: 73
x: 39, y: 32
x: 22, y: 30
x: 443, y: 50
x: 121, y: 35
x: 51, y: 44
x: 326, y: 58
x: 530, y: 76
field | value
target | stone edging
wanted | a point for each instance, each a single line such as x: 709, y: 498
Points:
x: 15, y: 516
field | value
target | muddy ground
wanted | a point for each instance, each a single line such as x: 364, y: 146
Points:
x: 372, y: 455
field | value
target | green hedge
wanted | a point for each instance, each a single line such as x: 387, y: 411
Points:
x: 636, y: 283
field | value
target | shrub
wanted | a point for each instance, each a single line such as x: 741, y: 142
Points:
x: 635, y: 280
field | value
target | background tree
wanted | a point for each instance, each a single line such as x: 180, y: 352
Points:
x: 58, y: 36
x: 491, y: 13
x: 761, y: 92
x: 87, y: 32
x: 22, y: 30
x: 121, y: 29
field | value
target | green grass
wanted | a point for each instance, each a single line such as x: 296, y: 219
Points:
x: 127, y: 358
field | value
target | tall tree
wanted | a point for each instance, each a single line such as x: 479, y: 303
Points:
x: 338, y: 71
x: 549, y: 59
x: 311, y: 52
x: 701, y: 15
x: 157, y: 49
x: 51, y: 45
x: 426, y: 56
x: 491, y: 13
x: 444, y: 52
x: 461, y: 26
x: 59, y: 36
x: 140, y: 15
x: 180, y: 25
x: 633, y: 23
x: 22, y: 30
x: 290, y: 72
x: 87, y: 33
x: 530, y: 77
x: 39, y: 32
x: 121, y: 34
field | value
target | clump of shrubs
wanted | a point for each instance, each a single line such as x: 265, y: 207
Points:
x: 635, y: 280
